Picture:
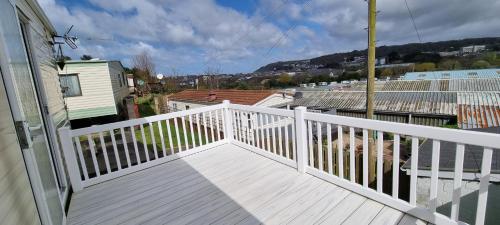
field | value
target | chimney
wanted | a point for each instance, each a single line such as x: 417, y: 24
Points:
x: 212, y: 96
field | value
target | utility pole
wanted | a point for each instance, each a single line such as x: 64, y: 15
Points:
x: 370, y: 92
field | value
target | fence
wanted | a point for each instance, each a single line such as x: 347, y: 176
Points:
x: 312, y: 143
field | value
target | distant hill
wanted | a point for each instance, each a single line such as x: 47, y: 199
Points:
x: 334, y: 60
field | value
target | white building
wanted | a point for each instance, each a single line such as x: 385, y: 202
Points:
x: 93, y: 88
x: 473, y: 49
x: 190, y: 99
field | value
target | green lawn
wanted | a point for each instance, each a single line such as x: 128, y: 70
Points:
x: 156, y: 131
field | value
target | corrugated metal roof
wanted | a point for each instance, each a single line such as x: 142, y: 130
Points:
x: 482, y: 84
x: 478, y: 109
x: 442, y: 103
x: 473, y: 109
x: 453, y: 74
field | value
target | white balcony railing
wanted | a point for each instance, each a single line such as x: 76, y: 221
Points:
x: 311, y: 142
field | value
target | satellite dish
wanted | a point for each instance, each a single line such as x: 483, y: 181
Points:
x: 159, y: 76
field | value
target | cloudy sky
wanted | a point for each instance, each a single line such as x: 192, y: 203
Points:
x: 188, y: 36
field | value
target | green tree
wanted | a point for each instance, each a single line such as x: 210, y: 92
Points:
x: 480, y: 64
x: 427, y: 66
x: 450, y: 65
x: 387, y: 72
x: 285, y: 79
x: 86, y: 57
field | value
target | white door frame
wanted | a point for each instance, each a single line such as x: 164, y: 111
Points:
x: 43, y: 99
x: 17, y: 113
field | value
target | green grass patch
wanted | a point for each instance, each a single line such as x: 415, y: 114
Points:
x: 175, y: 143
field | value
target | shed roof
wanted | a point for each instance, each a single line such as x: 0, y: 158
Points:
x: 442, y: 103
x: 472, y: 157
x: 244, y: 97
x: 453, y: 74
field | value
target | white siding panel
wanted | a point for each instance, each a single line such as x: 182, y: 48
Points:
x: 117, y: 75
x: 95, y: 85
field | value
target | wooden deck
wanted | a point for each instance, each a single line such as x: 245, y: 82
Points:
x: 226, y: 185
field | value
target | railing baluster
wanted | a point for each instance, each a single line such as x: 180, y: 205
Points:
x: 294, y: 141
x: 184, y: 131
x: 280, y: 138
x: 237, y: 126
x: 136, y: 148
x: 177, y: 136
x: 205, y: 127
x: 81, y: 158
x: 169, y: 133
x: 457, y: 182
x: 365, y: 158
x: 434, y: 175
x: 217, y: 125
x: 191, y: 130
x: 258, y: 130
x: 255, y: 133
x: 198, y: 128
x: 162, y: 138
x: 268, y: 132
x: 144, y: 143
x: 484, y: 182
x: 320, y: 146
x: 329, y: 147
x: 125, y: 146
x: 273, y: 133
x: 262, y: 132
x: 287, y: 139
x: 380, y: 160
x: 352, y: 155
x: 340, y: 154
x: 93, y: 154
x: 311, y: 147
x: 211, y: 126
x: 243, y: 132
x: 115, y: 149
x: 414, y: 169
x: 395, y: 167
x: 247, y: 128
x: 104, y: 152
x: 152, y: 132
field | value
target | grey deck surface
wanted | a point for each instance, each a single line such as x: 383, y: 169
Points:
x: 226, y: 185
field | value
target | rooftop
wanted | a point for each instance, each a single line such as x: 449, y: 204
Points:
x: 244, y: 97
x: 453, y: 74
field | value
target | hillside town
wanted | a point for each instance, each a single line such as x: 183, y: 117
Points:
x: 222, y: 112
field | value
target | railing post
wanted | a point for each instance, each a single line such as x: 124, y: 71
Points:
x: 228, y: 125
x: 70, y: 157
x: 301, y: 137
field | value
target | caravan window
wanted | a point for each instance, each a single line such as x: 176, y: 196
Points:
x: 70, y: 84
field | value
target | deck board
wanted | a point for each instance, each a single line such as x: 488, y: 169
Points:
x: 225, y: 185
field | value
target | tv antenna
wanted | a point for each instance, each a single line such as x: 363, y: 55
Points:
x: 70, y: 41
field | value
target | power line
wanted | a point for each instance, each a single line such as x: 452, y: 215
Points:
x: 283, y: 36
x: 244, y: 35
x: 413, y: 21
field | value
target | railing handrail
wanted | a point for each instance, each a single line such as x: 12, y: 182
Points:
x: 260, y: 109
x: 483, y: 139
x: 144, y: 120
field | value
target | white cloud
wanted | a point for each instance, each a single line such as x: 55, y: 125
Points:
x: 189, y: 34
